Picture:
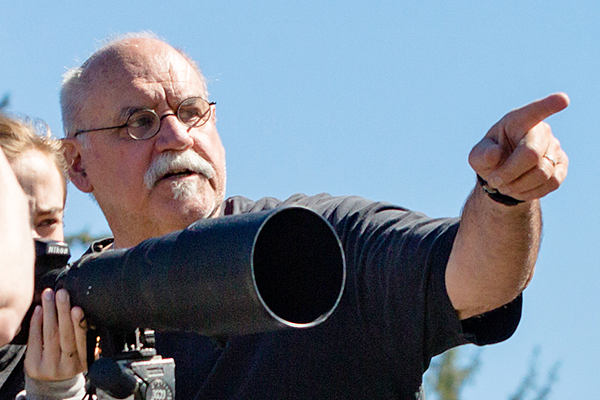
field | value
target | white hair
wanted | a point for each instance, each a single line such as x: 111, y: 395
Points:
x: 184, y: 190
x: 173, y: 162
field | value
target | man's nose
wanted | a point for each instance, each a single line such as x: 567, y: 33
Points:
x: 173, y: 135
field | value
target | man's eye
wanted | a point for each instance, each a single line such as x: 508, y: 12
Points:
x: 193, y: 116
x: 189, y: 113
x: 142, y: 119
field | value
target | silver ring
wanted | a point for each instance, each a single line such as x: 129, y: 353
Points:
x: 552, y: 160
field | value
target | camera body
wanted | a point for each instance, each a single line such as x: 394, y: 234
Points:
x: 136, y: 370
x: 50, y: 255
x: 153, y: 375
x: 51, y: 258
x: 158, y: 376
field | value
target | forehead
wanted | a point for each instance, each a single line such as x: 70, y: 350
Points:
x: 40, y: 178
x: 139, y: 75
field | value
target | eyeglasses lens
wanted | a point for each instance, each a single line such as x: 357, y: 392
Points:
x: 143, y: 124
x: 193, y: 112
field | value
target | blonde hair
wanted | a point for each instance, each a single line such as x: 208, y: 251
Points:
x: 18, y: 136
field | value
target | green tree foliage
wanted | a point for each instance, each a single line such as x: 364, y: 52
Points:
x: 82, y: 238
x: 529, y: 383
x: 448, y: 376
x: 5, y: 102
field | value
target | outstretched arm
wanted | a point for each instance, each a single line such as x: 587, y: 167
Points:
x: 16, y: 247
x: 495, y: 251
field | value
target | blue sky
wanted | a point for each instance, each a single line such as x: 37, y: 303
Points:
x: 384, y: 100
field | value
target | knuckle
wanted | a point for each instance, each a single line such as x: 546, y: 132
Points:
x: 531, y: 154
x: 544, y: 173
x: 553, y: 183
x: 543, y: 125
x: 557, y: 143
x: 541, y: 128
x: 472, y: 160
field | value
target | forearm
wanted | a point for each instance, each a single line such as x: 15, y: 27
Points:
x: 16, y: 246
x: 494, y: 254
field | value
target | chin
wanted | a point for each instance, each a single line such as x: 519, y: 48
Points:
x: 195, y: 198
x: 191, y: 204
x: 185, y: 190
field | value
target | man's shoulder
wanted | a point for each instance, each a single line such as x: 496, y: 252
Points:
x: 345, y: 212
x: 100, y: 245
x: 240, y: 205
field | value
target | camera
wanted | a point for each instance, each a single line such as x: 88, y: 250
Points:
x: 51, y: 258
x: 221, y: 277
x: 50, y: 255
x: 138, y: 370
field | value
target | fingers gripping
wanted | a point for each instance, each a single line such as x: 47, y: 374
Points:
x: 68, y: 346
x: 56, y: 346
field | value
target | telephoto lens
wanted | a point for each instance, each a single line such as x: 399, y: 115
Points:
x: 226, y: 276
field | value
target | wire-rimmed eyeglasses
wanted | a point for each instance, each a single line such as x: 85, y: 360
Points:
x: 145, y: 124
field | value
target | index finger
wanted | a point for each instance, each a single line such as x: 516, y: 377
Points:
x: 34, y: 342
x: 80, y: 335
x: 528, y: 116
x: 65, y: 326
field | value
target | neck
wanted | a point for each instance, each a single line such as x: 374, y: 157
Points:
x: 128, y: 233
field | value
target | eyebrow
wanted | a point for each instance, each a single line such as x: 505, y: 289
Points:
x: 35, y: 212
x: 126, y: 112
x: 34, y: 209
x: 49, y: 211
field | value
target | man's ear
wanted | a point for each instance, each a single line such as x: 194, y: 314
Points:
x: 213, y: 114
x: 77, y: 174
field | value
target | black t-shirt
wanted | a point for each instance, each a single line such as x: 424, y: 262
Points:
x: 394, y: 316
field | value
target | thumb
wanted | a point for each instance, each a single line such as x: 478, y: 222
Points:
x: 486, y: 156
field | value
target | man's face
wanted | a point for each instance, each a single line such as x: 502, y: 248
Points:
x: 43, y: 184
x: 149, y: 75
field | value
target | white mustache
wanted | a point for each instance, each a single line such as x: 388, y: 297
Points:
x: 173, y: 162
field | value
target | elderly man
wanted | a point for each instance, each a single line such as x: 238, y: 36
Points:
x: 141, y: 137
